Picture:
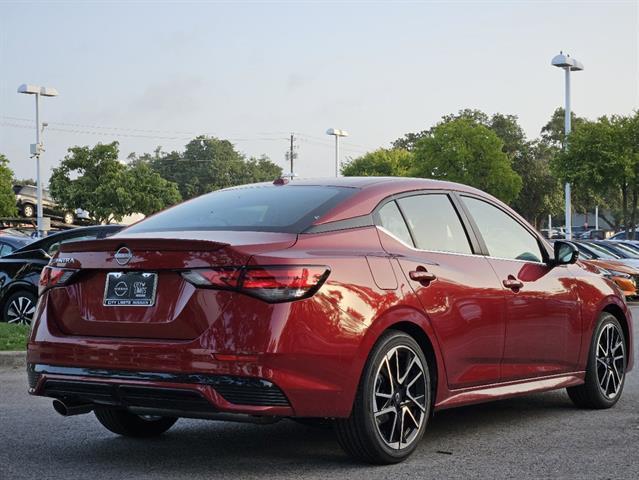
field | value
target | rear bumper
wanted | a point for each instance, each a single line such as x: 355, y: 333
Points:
x: 184, y: 395
x: 292, y: 383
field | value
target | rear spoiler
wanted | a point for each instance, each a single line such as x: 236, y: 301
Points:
x: 164, y: 244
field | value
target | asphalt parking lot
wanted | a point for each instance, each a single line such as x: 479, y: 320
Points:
x: 540, y: 436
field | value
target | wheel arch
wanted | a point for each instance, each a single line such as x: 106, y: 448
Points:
x: 619, y: 313
x: 422, y: 339
x: 418, y: 326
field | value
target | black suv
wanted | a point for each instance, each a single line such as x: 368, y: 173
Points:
x: 27, y: 199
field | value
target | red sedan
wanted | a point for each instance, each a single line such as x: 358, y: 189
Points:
x: 372, y: 302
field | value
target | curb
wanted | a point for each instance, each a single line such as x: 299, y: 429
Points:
x: 13, y: 359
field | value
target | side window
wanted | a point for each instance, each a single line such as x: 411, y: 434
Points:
x: 391, y: 219
x: 5, y: 249
x: 503, y: 235
x: 435, y: 223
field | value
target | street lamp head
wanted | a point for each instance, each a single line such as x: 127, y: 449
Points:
x: 34, y: 89
x: 337, y: 132
x: 566, y: 62
x: 28, y: 89
x: 48, y: 92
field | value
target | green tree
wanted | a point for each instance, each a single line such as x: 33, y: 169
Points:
x: 554, y: 132
x: 260, y: 170
x: 461, y: 150
x: 380, y: 163
x: 505, y: 126
x: 149, y: 192
x: 603, y: 160
x: 208, y: 164
x: 541, y: 192
x: 7, y: 196
x: 92, y: 178
x: 25, y: 181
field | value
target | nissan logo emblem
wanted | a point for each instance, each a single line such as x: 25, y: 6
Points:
x: 123, y: 256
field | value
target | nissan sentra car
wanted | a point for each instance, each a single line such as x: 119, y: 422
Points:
x: 368, y: 302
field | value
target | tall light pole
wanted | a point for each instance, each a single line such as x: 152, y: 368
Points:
x: 37, y: 148
x: 337, y: 133
x: 568, y: 64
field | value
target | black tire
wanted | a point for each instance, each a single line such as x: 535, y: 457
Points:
x: 364, y: 437
x: 19, y: 307
x: 592, y: 394
x: 28, y: 210
x: 131, y: 425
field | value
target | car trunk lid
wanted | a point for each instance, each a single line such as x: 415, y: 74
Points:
x: 175, y: 309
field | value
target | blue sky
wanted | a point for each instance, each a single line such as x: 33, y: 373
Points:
x: 158, y: 73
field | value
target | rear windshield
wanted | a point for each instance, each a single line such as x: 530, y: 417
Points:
x: 290, y: 209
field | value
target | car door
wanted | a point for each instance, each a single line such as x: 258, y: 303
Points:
x: 543, y: 318
x: 456, y: 288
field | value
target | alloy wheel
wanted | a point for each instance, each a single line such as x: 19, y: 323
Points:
x: 611, y: 360
x: 28, y: 211
x: 20, y: 311
x: 399, y: 397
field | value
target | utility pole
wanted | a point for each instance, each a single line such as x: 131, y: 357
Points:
x: 291, y: 155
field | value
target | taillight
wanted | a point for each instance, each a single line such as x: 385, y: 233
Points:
x: 278, y: 283
x: 213, y: 277
x: 54, y: 277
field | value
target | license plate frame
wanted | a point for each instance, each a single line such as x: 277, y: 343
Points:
x: 130, y: 289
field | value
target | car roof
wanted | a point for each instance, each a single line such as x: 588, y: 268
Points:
x: 371, y: 191
x: 15, y: 240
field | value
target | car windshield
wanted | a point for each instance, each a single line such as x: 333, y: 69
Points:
x: 584, y: 253
x: 623, y: 250
x: 602, y: 252
x: 288, y: 208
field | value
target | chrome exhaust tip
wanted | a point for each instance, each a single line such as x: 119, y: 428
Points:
x: 67, y: 410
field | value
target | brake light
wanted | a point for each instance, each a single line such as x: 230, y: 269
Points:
x: 278, y: 283
x: 54, y: 277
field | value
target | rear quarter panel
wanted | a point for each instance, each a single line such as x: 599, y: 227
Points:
x: 330, y: 335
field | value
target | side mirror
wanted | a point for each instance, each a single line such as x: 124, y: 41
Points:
x: 565, y: 253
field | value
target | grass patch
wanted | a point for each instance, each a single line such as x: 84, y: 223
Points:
x: 13, y: 337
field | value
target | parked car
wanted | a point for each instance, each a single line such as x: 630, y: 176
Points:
x: 10, y: 243
x: 593, y: 235
x: 624, y: 276
x: 602, y: 253
x: 20, y: 270
x: 370, y: 301
x: 553, y: 234
x: 27, y: 199
x: 622, y: 235
x: 623, y: 248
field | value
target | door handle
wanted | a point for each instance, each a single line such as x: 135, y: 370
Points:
x: 512, y: 283
x: 422, y: 276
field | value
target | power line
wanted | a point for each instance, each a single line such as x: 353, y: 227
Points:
x: 126, y: 132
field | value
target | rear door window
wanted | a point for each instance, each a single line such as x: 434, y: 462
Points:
x: 434, y: 222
